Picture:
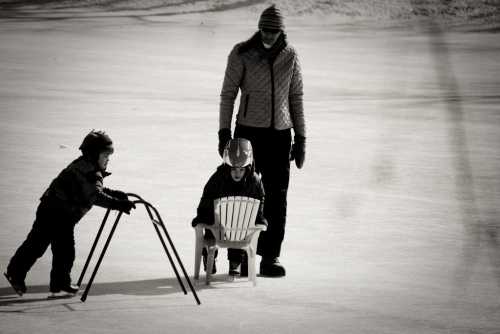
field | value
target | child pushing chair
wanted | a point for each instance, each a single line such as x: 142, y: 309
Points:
x: 67, y: 199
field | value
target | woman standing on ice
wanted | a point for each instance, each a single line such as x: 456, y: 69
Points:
x: 267, y: 71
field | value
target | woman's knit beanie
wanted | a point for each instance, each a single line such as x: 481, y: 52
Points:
x: 271, y: 19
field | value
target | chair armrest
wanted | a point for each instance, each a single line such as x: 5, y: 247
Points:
x: 203, y: 226
x: 214, y: 228
x: 261, y: 227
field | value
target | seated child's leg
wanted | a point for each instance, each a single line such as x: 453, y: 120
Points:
x: 210, y: 241
x: 205, y: 258
x: 209, y: 237
x: 235, y: 255
x: 237, y: 262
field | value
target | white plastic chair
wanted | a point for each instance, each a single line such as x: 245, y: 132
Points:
x: 234, y: 227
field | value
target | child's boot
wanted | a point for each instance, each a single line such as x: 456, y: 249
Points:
x: 244, y: 267
x: 205, y: 256
x: 234, y: 268
x: 63, y: 291
x: 18, y: 285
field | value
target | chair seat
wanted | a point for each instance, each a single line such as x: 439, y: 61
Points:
x: 234, y: 227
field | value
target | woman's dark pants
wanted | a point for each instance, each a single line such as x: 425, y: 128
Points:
x: 272, y: 160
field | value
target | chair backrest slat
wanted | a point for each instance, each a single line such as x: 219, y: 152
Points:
x: 255, y: 209
x: 248, y: 215
x: 229, y: 217
x: 223, y: 216
x: 236, y: 215
x: 242, y: 223
x: 235, y: 224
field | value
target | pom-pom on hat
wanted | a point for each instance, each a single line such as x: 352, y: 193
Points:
x: 271, y: 19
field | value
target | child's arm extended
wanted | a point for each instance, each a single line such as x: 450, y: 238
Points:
x: 112, y: 199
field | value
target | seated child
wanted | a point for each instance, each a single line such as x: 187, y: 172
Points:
x: 68, y: 198
x: 234, y: 177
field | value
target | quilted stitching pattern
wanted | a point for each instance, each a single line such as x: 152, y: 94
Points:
x: 254, y: 74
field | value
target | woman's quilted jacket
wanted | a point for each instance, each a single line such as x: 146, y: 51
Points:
x: 271, y: 92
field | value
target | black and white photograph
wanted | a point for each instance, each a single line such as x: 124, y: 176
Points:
x: 250, y: 166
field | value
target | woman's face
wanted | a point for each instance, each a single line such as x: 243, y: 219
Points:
x: 269, y: 37
x: 237, y: 173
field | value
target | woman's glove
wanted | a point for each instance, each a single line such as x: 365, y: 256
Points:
x: 224, y: 138
x: 298, y: 152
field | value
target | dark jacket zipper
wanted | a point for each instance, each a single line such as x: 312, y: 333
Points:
x: 247, y: 97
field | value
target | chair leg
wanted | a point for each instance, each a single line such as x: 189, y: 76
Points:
x: 251, y: 266
x: 210, y: 263
x: 197, y: 258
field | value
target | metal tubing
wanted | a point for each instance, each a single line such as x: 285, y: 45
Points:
x: 170, y: 259
x: 149, y: 208
x: 182, y: 266
x: 177, y: 255
x: 93, y: 248
x: 89, y: 284
x: 147, y: 205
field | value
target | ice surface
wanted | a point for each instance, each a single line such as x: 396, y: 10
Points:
x: 393, y: 222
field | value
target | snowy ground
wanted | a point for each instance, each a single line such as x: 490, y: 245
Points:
x: 393, y: 223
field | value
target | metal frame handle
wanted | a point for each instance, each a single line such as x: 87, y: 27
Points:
x: 158, y: 225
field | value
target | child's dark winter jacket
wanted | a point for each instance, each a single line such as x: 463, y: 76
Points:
x: 77, y: 188
x: 220, y: 185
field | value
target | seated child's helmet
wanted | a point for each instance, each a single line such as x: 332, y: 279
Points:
x: 96, y: 142
x: 238, y: 153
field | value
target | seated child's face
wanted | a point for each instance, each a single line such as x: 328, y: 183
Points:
x: 237, y: 173
x: 103, y: 159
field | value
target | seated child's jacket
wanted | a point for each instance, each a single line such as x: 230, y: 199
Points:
x: 220, y: 185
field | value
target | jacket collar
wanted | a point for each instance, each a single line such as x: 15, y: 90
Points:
x: 255, y: 43
x: 87, y: 166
